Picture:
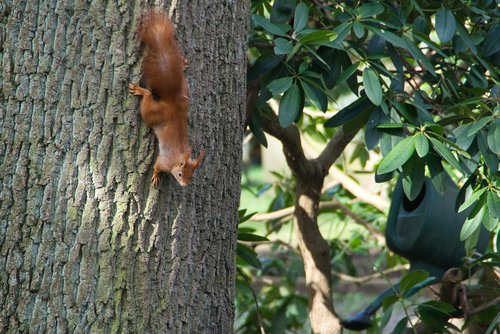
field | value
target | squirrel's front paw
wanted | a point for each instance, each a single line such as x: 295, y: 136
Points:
x: 135, y: 89
x: 155, y: 179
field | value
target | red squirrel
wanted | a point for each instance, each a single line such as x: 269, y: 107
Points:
x: 164, y: 105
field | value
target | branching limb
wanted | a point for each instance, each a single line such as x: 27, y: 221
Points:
x: 292, y: 146
x: 334, y: 148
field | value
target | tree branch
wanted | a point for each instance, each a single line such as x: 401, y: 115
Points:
x: 292, y: 145
x: 364, y: 279
x: 289, y: 137
x: 334, y: 148
x: 333, y: 204
x: 358, y: 191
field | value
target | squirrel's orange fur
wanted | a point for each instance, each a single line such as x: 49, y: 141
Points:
x: 164, y: 105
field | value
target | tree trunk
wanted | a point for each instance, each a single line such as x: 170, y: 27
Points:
x: 310, y: 175
x: 316, y: 255
x: 87, y: 245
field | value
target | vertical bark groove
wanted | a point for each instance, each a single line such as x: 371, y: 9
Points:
x: 86, y: 245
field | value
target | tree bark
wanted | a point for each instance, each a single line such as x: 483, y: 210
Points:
x: 87, y: 245
x: 310, y: 175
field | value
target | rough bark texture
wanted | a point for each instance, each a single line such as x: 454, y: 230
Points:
x: 86, y: 244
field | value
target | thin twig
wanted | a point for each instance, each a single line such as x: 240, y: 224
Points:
x: 364, y: 279
x: 333, y: 204
x: 484, y: 306
x: 262, y: 331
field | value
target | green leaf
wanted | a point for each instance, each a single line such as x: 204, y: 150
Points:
x: 445, y: 24
x: 493, y: 201
x: 282, y: 10
x: 478, y: 125
x: 463, y: 191
x: 268, y: 26
x: 480, y: 204
x: 392, y: 126
x: 243, y: 217
x: 389, y: 301
x: 386, y: 316
x: 471, y: 225
x: 421, y: 144
x: 437, y: 172
x: 317, y: 98
x: 282, y: 46
x: 318, y: 37
x: 445, y: 153
x: 279, y: 86
x: 472, y: 199
x: 248, y: 255
x: 348, y: 72
x: 389, y: 36
x: 342, y: 31
x: 347, y: 65
x: 411, y: 279
x: 462, y: 32
x: 493, y: 324
x: 263, y: 65
x: 305, y: 65
x: 471, y: 241
x: 491, y: 43
x: 370, y: 9
x: 489, y: 222
x: 490, y: 158
x: 256, y: 128
x: 289, y: 106
x: 295, y: 49
x: 462, y: 139
x: 400, y: 327
x: 359, y: 29
x: 397, y: 156
x: 359, y: 121
x: 418, y: 55
x: 350, y: 112
x: 372, y: 85
x: 372, y: 134
x: 413, y: 178
x: 421, y: 26
x: 279, y: 320
x: 407, y: 110
x: 493, y: 138
x: 301, y: 17
x: 439, y: 306
x: 251, y: 237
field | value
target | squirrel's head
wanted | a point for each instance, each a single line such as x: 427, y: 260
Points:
x: 183, y: 172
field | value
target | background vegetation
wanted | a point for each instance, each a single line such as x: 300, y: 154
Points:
x: 407, y: 89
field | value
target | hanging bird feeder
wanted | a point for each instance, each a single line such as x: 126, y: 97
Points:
x: 426, y: 231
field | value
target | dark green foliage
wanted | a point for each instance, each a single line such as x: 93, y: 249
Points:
x: 441, y: 93
x: 424, y: 82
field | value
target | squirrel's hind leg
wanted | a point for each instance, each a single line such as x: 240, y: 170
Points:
x: 155, y: 179
x: 150, y: 108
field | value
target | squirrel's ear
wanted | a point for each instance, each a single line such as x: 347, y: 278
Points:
x: 199, y: 159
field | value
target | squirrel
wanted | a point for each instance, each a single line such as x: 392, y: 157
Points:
x: 164, y: 105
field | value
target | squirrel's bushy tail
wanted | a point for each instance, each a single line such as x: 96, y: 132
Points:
x: 163, y: 63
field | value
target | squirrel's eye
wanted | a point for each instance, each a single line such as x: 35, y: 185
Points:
x: 180, y: 174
